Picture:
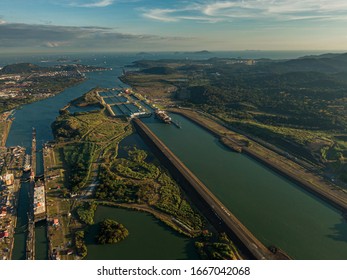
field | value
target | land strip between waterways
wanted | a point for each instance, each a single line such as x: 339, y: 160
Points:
x: 291, y: 170
x: 207, y: 201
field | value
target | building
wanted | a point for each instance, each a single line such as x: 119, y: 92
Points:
x: 8, y: 180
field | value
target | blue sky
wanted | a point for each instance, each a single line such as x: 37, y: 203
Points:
x: 167, y: 25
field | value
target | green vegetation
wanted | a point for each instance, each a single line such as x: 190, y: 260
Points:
x: 83, y: 138
x: 220, y: 249
x: 134, y: 180
x: 86, y: 212
x: 87, y: 99
x: 111, y: 232
x: 92, y: 127
x: 296, y: 105
x: 81, y: 248
x: 77, y: 158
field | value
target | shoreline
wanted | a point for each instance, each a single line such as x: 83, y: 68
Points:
x: 163, y: 217
x: 7, y: 121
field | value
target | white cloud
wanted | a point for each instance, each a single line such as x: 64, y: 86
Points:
x: 53, y: 44
x: 2, y: 21
x: 279, y: 10
x: 161, y: 15
x: 98, y: 4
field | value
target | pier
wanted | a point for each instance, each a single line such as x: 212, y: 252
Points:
x: 208, y: 203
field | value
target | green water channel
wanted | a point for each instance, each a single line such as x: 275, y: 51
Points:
x: 275, y: 210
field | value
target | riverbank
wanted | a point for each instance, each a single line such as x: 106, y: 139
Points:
x: 280, y: 164
x: 5, y: 126
x: 165, y: 218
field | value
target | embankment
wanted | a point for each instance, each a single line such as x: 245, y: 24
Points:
x: 213, y: 209
x: 281, y: 165
x: 6, y: 130
x: 333, y: 196
x: 233, y: 144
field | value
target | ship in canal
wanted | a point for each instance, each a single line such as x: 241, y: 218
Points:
x: 27, y: 165
x: 163, y: 116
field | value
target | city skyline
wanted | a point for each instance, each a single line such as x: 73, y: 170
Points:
x: 146, y: 25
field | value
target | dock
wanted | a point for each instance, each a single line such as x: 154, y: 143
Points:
x: 206, y: 201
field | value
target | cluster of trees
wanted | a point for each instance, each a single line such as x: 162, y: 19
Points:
x: 171, y: 201
x: 66, y: 127
x: 86, y: 212
x: 111, y: 232
x: 285, y: 102
x: 77, y: 158
x: 89, y: 98
x: 114, y: 189
x: 137, y: 170
x: 81, y: 248
x: 220, y: 249
x: 147, y: 185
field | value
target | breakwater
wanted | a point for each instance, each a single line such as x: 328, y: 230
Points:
x: 218, y: 214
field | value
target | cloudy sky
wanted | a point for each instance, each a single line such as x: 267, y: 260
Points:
x: 155, y: 25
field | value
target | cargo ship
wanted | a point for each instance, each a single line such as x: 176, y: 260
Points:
x: 163, y: 116
x: 27, y: 165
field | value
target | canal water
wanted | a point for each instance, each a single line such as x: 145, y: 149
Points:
x: 275, y: 210
x: 148, y: 238
x: 40, y: 115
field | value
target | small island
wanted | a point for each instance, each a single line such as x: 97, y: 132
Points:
x: 111, y: 232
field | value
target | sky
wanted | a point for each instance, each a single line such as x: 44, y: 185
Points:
x: 167, y: 25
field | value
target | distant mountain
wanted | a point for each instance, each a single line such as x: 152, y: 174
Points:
x: 202, y: 52
x: 199, y: 52
x: 326, y: 63
x: 158, y: 70
x: 20, y: 68
x: 143, y: 53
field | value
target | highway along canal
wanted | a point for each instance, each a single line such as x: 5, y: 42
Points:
x: 275, y: 210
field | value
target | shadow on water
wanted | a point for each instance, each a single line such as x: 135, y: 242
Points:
x: 338, y: 231
x: 41, y: 241
x: 131, y: 141
x: 21, y: 227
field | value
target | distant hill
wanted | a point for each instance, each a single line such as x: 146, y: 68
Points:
x: 159, y: 70
x: 199, y: 52
x: 20, y: 68
x: 202, y: 52
x: 143, y: 53
x: 326, y: 63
